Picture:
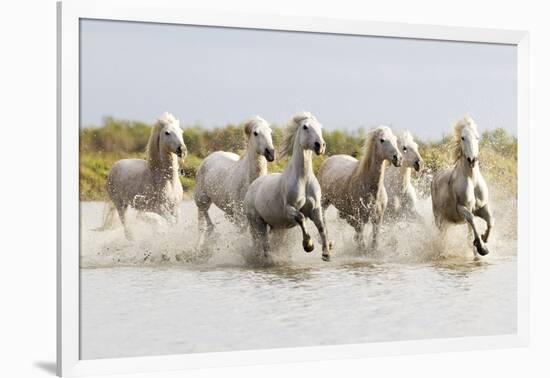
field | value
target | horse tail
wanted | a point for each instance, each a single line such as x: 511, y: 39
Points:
x: 110, y: 217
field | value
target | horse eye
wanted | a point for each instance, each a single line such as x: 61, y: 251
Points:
x: 305, y: 127
x: 462, y: 138
x: 255, y: 133
x: 405, y: 149
x: 382, y: 140
x: 167, y: 132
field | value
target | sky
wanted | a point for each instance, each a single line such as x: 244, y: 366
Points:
x: 215, y: 76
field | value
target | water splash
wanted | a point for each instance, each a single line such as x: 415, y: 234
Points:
x: 403, y: 242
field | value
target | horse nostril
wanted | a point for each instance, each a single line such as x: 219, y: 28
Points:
x: 469, y: 160
x: 317, y: 146
x: 395, y: 157
x: 181, y: 151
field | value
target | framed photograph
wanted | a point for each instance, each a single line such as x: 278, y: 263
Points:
x: 251, y: 188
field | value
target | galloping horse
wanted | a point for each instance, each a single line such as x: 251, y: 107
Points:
x: 356, y: 188
x: 150, y: 185
x: 460, y: 193
x: 223, y: 177
x: 284, y: 200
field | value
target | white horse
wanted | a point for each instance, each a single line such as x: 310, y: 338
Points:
x: 284, y: 200
x: 401, y: 193
x: 356, y: 188
x: 223, y: 177
x: 150, y: 185
x: 460, y: 193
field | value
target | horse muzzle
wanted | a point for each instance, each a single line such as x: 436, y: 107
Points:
x: 269, y: 154
x: 417, y: 165
x: 181, y: 152
x: 397, y: 160
x: 320, y: 148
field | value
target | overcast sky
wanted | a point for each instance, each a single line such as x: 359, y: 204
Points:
x: 217, y: 76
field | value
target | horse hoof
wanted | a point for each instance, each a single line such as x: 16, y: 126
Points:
x: 308, y: 245
x: 326, y: 257
x: 481, y: 249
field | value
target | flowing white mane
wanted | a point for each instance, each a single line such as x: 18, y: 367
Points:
x: 405, y: 138
x: 167, y: 118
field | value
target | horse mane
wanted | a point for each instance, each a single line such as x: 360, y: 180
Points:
x: 367, y: 150
x: 290, y: 131
x: 153, y: 144
x: 248, y: 125
x: 405, y: 137
x: 466, y: 122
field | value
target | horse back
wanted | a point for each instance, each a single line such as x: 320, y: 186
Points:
x: 335, y: 171
x: 127, y: 175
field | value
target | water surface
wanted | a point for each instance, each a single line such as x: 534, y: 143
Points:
x: 154, y: 296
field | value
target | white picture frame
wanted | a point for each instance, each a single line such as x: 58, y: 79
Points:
x: 170, y: 11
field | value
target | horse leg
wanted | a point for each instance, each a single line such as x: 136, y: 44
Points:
x: 121, y: 209
x: 471, y: 238
x: 324, y: 205
x: 469, y: 217
x: 293, y: 214
x: 174, y: 215
x: 358, y: 226
x: 318, y: 217
x: 359, y: 236
x: 205, y: 225
x: 259, y: 231
x: 377, y: 220
x: 485, y: 214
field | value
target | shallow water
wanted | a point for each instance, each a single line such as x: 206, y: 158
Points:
x: 156, y: 296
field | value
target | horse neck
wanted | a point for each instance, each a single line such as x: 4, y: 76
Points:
x: 300, y: 164
x: 256, y: 165
x: 369, y: 174
x: 165, y: 165
x: 405, y: 174
x: 464, y: 168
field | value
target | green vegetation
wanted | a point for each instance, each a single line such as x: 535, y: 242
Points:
x: 116, y: 139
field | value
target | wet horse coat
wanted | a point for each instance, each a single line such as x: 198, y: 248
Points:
x: 285, y: 200
x: 460, y: 193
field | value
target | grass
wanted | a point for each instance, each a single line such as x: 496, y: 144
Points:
x: 101, y: 147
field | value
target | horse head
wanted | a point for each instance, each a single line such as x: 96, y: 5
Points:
x: 467, y: 141
x: 385, y: 145
x: 171, y: 135
x: 259, y: 136
x: 310, y: 133
x: 409, y: 150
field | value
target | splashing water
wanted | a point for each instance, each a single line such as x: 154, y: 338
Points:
x: 156, y: 243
